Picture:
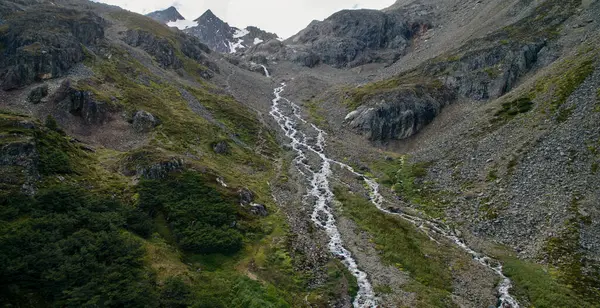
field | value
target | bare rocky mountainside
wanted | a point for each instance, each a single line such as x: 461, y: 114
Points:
x: 437, y: 153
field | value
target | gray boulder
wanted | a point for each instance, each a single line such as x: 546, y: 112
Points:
x: 144, y: 122
x: 221, y: 147
x: 36, y: 95
x: 259, y: 210
x: 246, y: 196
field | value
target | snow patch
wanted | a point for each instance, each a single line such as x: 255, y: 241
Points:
x: 257, y: 41
x: 233, y: 47
x: 182, y: 24
x: 240, y: 33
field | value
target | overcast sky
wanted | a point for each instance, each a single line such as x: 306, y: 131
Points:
x: 284, y: 17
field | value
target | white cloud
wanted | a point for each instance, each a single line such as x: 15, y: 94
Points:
x: 285, y: 18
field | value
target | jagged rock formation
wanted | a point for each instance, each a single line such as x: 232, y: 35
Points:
x: 214, y: 32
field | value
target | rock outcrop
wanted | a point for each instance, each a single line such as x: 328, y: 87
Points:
x: 19, y: 156
x: 91, y: 110
x: 246, y: 196
x: 45, y: 43
x: 398, y: 114
x: 479, y: 74
x: 350, y: 37
x: 80, y: 103
x: 486, y: 73
x: 259, y: 210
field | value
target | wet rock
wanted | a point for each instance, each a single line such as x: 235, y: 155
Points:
x: 221, y: 147
x: 259, y: 210
x: 246, y: 196
x: 36, y: 95
x: 144, y: 122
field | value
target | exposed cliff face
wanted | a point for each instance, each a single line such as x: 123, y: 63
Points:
x: 483, y: 69
x: 400, y: 113
x: 351, y: 37
x: 45, y: 43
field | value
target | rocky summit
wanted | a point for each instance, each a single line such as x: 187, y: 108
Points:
x: 436, y: 153
x: 166, y: 16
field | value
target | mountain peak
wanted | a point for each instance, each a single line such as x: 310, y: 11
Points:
x: 167, y: 15
x: 208, y: 16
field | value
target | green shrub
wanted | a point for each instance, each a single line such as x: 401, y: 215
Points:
x: 175, y: 294
x: 513, y: 108
x: 66, y: 248
x: 53, y: 150
x: 199, y: 216
x: 536, y: 284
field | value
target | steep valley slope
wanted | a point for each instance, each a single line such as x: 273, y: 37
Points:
x: 432, y: 154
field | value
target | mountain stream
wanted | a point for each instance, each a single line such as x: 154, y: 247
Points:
x: 319, y: 194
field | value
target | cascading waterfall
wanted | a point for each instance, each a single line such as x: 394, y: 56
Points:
x: 266, y: 71
x: 322, y: 195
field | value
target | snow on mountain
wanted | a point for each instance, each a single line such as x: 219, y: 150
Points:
x: 213, y: 31
x: 182, y: 24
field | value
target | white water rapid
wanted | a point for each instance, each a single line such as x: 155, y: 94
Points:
x: 320, y: 196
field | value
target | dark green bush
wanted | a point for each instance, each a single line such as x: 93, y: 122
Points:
x: 66, y: 248
x: 175, y: 294
x: 200, y: 217
x: 53, y: 152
